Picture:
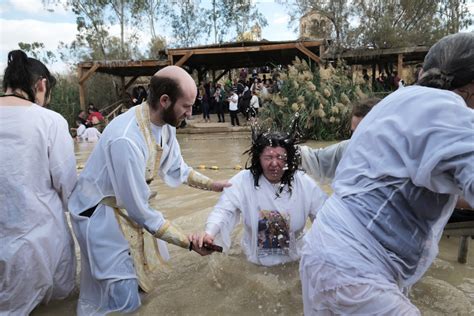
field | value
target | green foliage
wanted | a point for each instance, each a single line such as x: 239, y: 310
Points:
x: 37, y: 51
x: 65, y: 98
x: 321, y: 98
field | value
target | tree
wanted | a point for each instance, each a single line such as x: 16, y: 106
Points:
x: 188, y: 22
x: 339, y: 12
x: 37, y: 50
x: 454, y: 15
x: 232, y: 18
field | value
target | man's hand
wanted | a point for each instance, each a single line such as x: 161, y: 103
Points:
x: 218, y: 186
x: 198, y: 240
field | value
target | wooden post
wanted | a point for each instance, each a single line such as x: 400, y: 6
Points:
x: 122, y: 88
x: 463, y: 248
x: 400, y: 65
x: 82, y: 91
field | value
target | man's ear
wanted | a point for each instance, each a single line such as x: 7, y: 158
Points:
x: 165, y: 101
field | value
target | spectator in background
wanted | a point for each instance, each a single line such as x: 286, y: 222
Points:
x: 95, y: 118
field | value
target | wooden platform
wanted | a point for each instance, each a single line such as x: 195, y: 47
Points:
x: 463, y: 230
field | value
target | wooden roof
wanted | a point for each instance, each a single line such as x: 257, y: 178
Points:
x: 369, y: 56
x: 244, y: 54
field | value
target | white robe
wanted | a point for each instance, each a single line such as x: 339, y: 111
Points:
x: 91, y: 135
x: 258, y: 207
x: 394, y: 191
x: 116, y: 168
x: 37, y: 174
x: 322, y: 163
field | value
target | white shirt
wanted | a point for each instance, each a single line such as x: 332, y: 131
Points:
x: 254, y: 102
x: 37, y: 174
x: 80, y: 131
x: 233, y: 102
x: 263, y: 213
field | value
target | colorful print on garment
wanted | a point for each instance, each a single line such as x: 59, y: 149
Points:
x: 273, y: 233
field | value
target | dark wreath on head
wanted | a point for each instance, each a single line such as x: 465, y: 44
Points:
x: 287, y: 140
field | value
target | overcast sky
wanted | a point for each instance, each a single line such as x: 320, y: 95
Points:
x: 28, y: 21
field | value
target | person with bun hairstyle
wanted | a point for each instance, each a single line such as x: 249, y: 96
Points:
x: 37, y: 175
x: 394, y: 190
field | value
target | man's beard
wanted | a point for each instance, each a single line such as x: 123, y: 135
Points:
x: 169, y: 117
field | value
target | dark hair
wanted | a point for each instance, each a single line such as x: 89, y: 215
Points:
x: 449, y: 63
x: 163, y: 85
x: 23, y: 72
x: 362, y: 107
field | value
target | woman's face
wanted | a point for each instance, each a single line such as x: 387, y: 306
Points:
x: 274, y: 163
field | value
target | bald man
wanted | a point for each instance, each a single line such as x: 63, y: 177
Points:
x: 122, y: 238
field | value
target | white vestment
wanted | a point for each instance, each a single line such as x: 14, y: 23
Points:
x: 37, y: 174
x: 394, y: 191
x: 91, y: 135
x: 117, y: 168
x: 273, y: 226
x: 80, y: 132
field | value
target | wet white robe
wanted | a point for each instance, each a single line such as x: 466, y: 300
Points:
x: 321, y: 163
x: 116, y: 167
x: 394, y: 191
x: 253, y: 204
x: 37, y: 174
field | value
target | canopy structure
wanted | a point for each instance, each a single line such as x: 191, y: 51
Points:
x: 204, y: 58
x: 227, y: 56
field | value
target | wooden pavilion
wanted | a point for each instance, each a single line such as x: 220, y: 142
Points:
x: 212, y: 58
x: 227, y: 56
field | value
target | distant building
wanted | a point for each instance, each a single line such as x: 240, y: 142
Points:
x: 315, y: 25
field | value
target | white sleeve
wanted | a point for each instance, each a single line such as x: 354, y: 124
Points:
x: 173, y: 169
x: 62, y: 162
x: 225, y: 215
x: 127, y: 167
x: 322, y: 163
x: 318, y: 197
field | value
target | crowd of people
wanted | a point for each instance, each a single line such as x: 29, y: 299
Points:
x: 395, y: 184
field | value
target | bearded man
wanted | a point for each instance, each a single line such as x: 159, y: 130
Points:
x: 112, y: 218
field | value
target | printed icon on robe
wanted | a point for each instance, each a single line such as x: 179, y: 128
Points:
x: 273, y: 233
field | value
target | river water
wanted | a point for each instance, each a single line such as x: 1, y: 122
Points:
x: 226, y: 284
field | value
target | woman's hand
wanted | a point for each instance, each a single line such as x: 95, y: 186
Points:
x: 198, y: 240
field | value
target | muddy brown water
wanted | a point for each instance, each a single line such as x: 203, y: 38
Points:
x: 226, y: 284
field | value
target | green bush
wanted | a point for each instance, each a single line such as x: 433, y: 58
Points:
x: 322, y: 98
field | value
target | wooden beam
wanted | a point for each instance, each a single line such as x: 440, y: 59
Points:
x: 130, y: 82
x: 242, y: 49
x: 400, y: 65
x: 222, y: 74
x: 89, y: 73
x: 308, y: 53
x: 82, y: 91
x: 183, y: 59
x: 463, y: 248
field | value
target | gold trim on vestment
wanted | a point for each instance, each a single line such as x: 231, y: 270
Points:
x: 171, y: 234
x: 198, y: 180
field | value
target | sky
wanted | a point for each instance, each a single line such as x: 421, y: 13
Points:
x: 28, y: 21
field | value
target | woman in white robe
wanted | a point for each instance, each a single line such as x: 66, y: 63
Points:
x: 274, y: 199
x: 37, y: 174
x: 394, y: 191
